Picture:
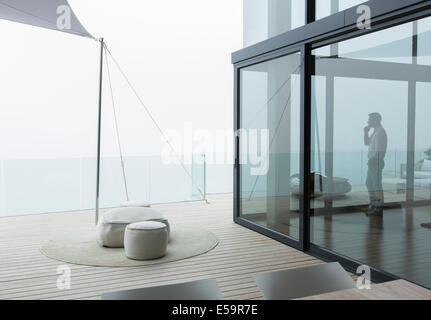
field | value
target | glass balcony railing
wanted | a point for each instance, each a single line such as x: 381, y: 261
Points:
x: 34, y: 186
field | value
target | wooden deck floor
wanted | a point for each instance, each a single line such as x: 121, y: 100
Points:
x: 25, y: 273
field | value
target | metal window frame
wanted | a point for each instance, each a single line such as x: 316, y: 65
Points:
x: 338, y: 24
x: 295, y: 243
x: 332, y: 29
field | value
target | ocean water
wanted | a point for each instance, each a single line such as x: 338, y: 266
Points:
x: 53, y: 185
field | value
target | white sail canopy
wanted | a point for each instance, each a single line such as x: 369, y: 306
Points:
x: 50, y: 14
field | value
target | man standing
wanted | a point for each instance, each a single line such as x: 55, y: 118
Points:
x: 377, y: 145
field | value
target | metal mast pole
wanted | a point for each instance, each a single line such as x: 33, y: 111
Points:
x: 99, y: 130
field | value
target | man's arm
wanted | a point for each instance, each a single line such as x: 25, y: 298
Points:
x: 382, y: 145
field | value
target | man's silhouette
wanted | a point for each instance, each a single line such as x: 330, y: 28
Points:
x: 377, y: 144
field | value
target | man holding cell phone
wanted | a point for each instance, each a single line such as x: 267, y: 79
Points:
x: 377, y: 144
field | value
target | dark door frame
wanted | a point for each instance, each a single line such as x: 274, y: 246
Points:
x: 295, y: 243
x: 335, y: 28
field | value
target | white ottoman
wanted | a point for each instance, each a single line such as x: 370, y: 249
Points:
x: 111, y: 227
x: 145, y: 240
x: 136, y: 204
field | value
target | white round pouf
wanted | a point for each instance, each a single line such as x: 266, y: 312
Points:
x: 136, y: 204
x: 145, y: 240
x: 111, y: 227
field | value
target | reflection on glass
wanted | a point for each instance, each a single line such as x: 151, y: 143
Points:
x: 377, y: 143
x: 59, y: 185
x: 325, y: 8
x: 422, y: 163
x: 145, y: 179
x: 269, y: 143
x: 371, y: 150
x: 264, y: 19
x: 423, y: 33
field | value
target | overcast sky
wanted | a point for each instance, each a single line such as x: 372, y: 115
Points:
x: 176, y: 53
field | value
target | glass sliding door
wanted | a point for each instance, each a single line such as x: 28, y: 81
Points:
x: 422, y: 142
x: 270, y: 144
x: 371, y: 156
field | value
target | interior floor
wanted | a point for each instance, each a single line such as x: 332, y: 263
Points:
x: 397, y: 242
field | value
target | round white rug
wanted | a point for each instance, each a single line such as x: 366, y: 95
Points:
x: 82, y: 248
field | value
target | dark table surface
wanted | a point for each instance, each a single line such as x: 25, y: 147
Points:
x: 197, y: 290
x: 303, y: 282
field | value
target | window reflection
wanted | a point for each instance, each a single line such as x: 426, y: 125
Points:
x: 270, y: 114
x: 325, y: 8
x: 264, y: 19
x: 371, y: 149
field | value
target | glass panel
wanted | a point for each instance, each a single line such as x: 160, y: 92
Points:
x: 32, y: 186
x: 370, y: 150
x: 422, y: 170
x: 325, y: 8
x: 146, y: 180
x: 198, y: 170
x: 269, y: 143
x: 424, y: 41
x: 264, y: 19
